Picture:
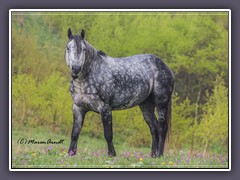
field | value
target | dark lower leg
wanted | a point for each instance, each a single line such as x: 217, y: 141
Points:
x: 108, y: 134
x: 155, y: 141
x: 162, y: 137
x: 162, y: 129
x: 78, y: 118
x: 150, y: 118
x: 74, y: 138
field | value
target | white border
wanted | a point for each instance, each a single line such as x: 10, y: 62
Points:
x: 122, y: 10
x: 10, y: 91
x: 117, y: 10
x: 229, y: 90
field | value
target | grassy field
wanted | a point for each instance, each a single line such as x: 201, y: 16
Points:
x: 92, y: 153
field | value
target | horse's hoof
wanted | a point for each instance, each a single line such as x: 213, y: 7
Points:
x: 153, y: 155
x: 159, y: 155
x: 112, y: 154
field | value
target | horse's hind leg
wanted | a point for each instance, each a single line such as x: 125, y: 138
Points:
x: 163, y: 107
x: 162, y: 126
x: 162, y: 91
x: 78, y: 119
x: 147, y: 108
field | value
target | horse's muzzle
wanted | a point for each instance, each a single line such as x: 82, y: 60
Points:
x: 75, y: 71
x: 74, y: 76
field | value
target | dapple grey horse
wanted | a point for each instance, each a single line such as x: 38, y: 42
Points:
x: 101, y: 83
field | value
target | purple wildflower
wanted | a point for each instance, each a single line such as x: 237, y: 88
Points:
x: 49, y: 148
x: 27, y: 156
x: 24, y: 162
x: 71, y: 153
x: 220, y: 157
x: 98, y: 153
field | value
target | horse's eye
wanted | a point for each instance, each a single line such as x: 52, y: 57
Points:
x: 74, y: 47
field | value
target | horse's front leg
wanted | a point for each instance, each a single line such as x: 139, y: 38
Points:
x: 106, y: 115
x: 78, y: 119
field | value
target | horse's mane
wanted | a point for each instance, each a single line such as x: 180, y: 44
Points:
x: 101, y: 53
x: 78, y: 40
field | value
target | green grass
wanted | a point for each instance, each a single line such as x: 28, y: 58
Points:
x: 92, y: 153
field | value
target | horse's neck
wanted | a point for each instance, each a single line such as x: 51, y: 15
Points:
x: 90, y: 59
x: 91, y: 51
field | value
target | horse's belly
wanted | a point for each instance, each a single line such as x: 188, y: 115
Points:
x: 124, y: 102
x: 131, y: 94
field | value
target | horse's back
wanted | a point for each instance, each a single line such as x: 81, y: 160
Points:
x: 158, y: 75
x: 147, y: 64
x: 132, y: 79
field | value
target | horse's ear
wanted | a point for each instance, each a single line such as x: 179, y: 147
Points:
x: 70, y: 36
x: 82, y: 34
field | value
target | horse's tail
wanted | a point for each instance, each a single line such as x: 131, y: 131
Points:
x: 169, y: 119
x: 169, y: 114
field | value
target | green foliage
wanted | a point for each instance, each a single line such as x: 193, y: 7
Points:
x: 193, y: 45
x: 182, y: 121
x: 213, y: 130
x: 41, y: 104
x: 56, y: 103
x: 93, y: 125
x: 25, y: 101
x: 131, y: 127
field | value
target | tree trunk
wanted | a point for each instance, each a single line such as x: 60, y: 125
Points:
x: 197, y: 105
x: 205, y: 148
x: 192, y: 143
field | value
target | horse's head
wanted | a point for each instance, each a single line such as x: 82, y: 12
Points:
x: 75, y: 53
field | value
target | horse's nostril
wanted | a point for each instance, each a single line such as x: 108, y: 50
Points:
x: 76, y: 69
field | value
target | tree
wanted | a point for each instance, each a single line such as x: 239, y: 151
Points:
x: 213, y: 130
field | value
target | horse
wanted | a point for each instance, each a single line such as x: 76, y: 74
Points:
x: 101, y: 83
